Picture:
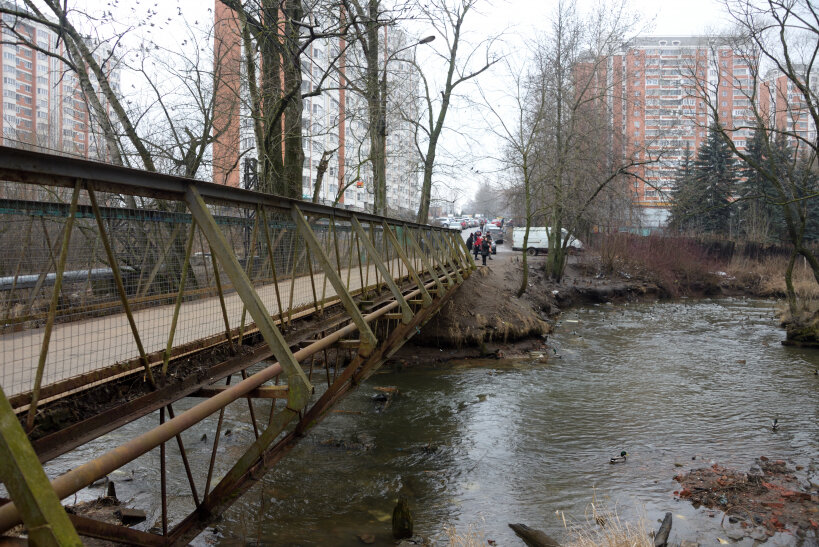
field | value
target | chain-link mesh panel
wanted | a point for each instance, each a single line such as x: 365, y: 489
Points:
x: 147, y: 258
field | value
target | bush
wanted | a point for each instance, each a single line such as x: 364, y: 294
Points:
x: 675, y: 264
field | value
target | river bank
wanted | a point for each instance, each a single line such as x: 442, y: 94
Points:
x: 486, y: 319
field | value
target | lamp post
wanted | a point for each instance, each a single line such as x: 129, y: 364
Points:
x: 379, y: 150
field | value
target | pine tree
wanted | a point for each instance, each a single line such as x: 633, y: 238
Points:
x: 705, y: 194
x: 683, y: 202
x: 759, y: 215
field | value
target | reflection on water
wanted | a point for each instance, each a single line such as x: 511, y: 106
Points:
x: 517, y: 441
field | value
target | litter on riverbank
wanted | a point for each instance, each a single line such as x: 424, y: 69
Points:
x: 769, y: 498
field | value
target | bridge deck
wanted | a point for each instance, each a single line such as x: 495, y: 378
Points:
x: 89, y: 345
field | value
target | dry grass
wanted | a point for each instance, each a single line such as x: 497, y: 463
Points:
x: 674, y: 263
x: 767, y: 276
x: 603, y: 528
x: 471, y: 537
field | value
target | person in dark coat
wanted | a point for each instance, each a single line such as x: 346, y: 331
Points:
x: 469, y: 241
x: 488, y: 238
x: 486, y: 245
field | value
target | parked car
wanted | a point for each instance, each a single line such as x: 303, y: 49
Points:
x: 538, y: 241
x: 442, y: 221
x: 495, y: 232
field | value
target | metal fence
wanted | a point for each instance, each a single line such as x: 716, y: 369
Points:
x: 92, y: 276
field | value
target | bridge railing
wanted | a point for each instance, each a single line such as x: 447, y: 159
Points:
x: 107, y: 271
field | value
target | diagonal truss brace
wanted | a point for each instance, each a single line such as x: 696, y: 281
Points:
x: 425, y: 261
x: 434, y: 249
x: 408, y: 263
x: 406, y: 311
x: 368, y: 339
x: 300, y: 388
x: 448, y: 256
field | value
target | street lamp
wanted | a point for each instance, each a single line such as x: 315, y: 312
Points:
x: 380, y: 167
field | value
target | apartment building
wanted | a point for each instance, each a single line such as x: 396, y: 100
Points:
x: 335, y: 120
x: 665, y: 91
x: 43, y: 106
x: 784, y: 106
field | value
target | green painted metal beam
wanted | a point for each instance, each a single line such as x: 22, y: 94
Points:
x: 448, y: 256
x: 408, y: 263
x: 24, y: 478
x: 368, y: 339
x: 434, y: 248
x: 300, y: 387
x: 425, y: 261
x: 406, y: 311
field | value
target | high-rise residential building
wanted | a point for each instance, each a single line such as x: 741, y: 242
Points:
x: 335, y: 120
x: 665, y: 92
x: 784, y: 107
x: 43, y: 106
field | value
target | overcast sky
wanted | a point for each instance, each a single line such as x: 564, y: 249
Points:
x: 518, y: 20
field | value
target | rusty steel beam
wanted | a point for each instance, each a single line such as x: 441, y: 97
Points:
x: 82, y: 476
x: 265, y: 392
x: 37, y: 168
x: 300, y: 387
x: 191, y: 526
x: 118, y: 534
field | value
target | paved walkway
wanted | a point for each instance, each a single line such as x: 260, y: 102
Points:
x: 86, y: 345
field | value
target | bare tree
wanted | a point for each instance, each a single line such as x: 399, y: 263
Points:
x: 779, y: 40
x: 520, y: 130
x: 461, y: 65
x: 274, y: 36
x: 371, y: 21
x: 582, y: 154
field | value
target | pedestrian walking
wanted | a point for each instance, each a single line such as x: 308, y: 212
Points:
x: 469, y: 241
x: 476, y: 245
x: 489, y: 239
x: 485, y: 247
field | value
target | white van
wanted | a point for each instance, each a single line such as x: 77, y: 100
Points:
x: 539, y: 240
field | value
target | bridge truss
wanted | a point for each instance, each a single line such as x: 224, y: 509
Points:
x: 123, y: 292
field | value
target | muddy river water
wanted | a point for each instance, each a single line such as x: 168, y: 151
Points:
x: 483, y: 444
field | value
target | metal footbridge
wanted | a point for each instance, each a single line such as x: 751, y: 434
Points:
x: 123, y: 292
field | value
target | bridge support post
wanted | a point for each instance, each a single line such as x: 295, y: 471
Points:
x: 368, y: 339
x: 442, y: 242
x: 430, y: 242
x: 452, y: 240
x: 20, y: 470
x: 430, y: 269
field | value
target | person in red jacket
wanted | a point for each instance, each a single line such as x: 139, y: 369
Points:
x: 476, y: 245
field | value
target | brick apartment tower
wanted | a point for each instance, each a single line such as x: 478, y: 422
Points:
x: 228, y: 68
x: 783, y: 106
x: 661, y: 85
x: 43, y: 106
x: 232, y: 126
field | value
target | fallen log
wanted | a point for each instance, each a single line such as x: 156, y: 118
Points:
x: 532, y: 537
x: 661, y: 538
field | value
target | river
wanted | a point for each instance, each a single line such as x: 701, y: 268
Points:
x: 483, y: 444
